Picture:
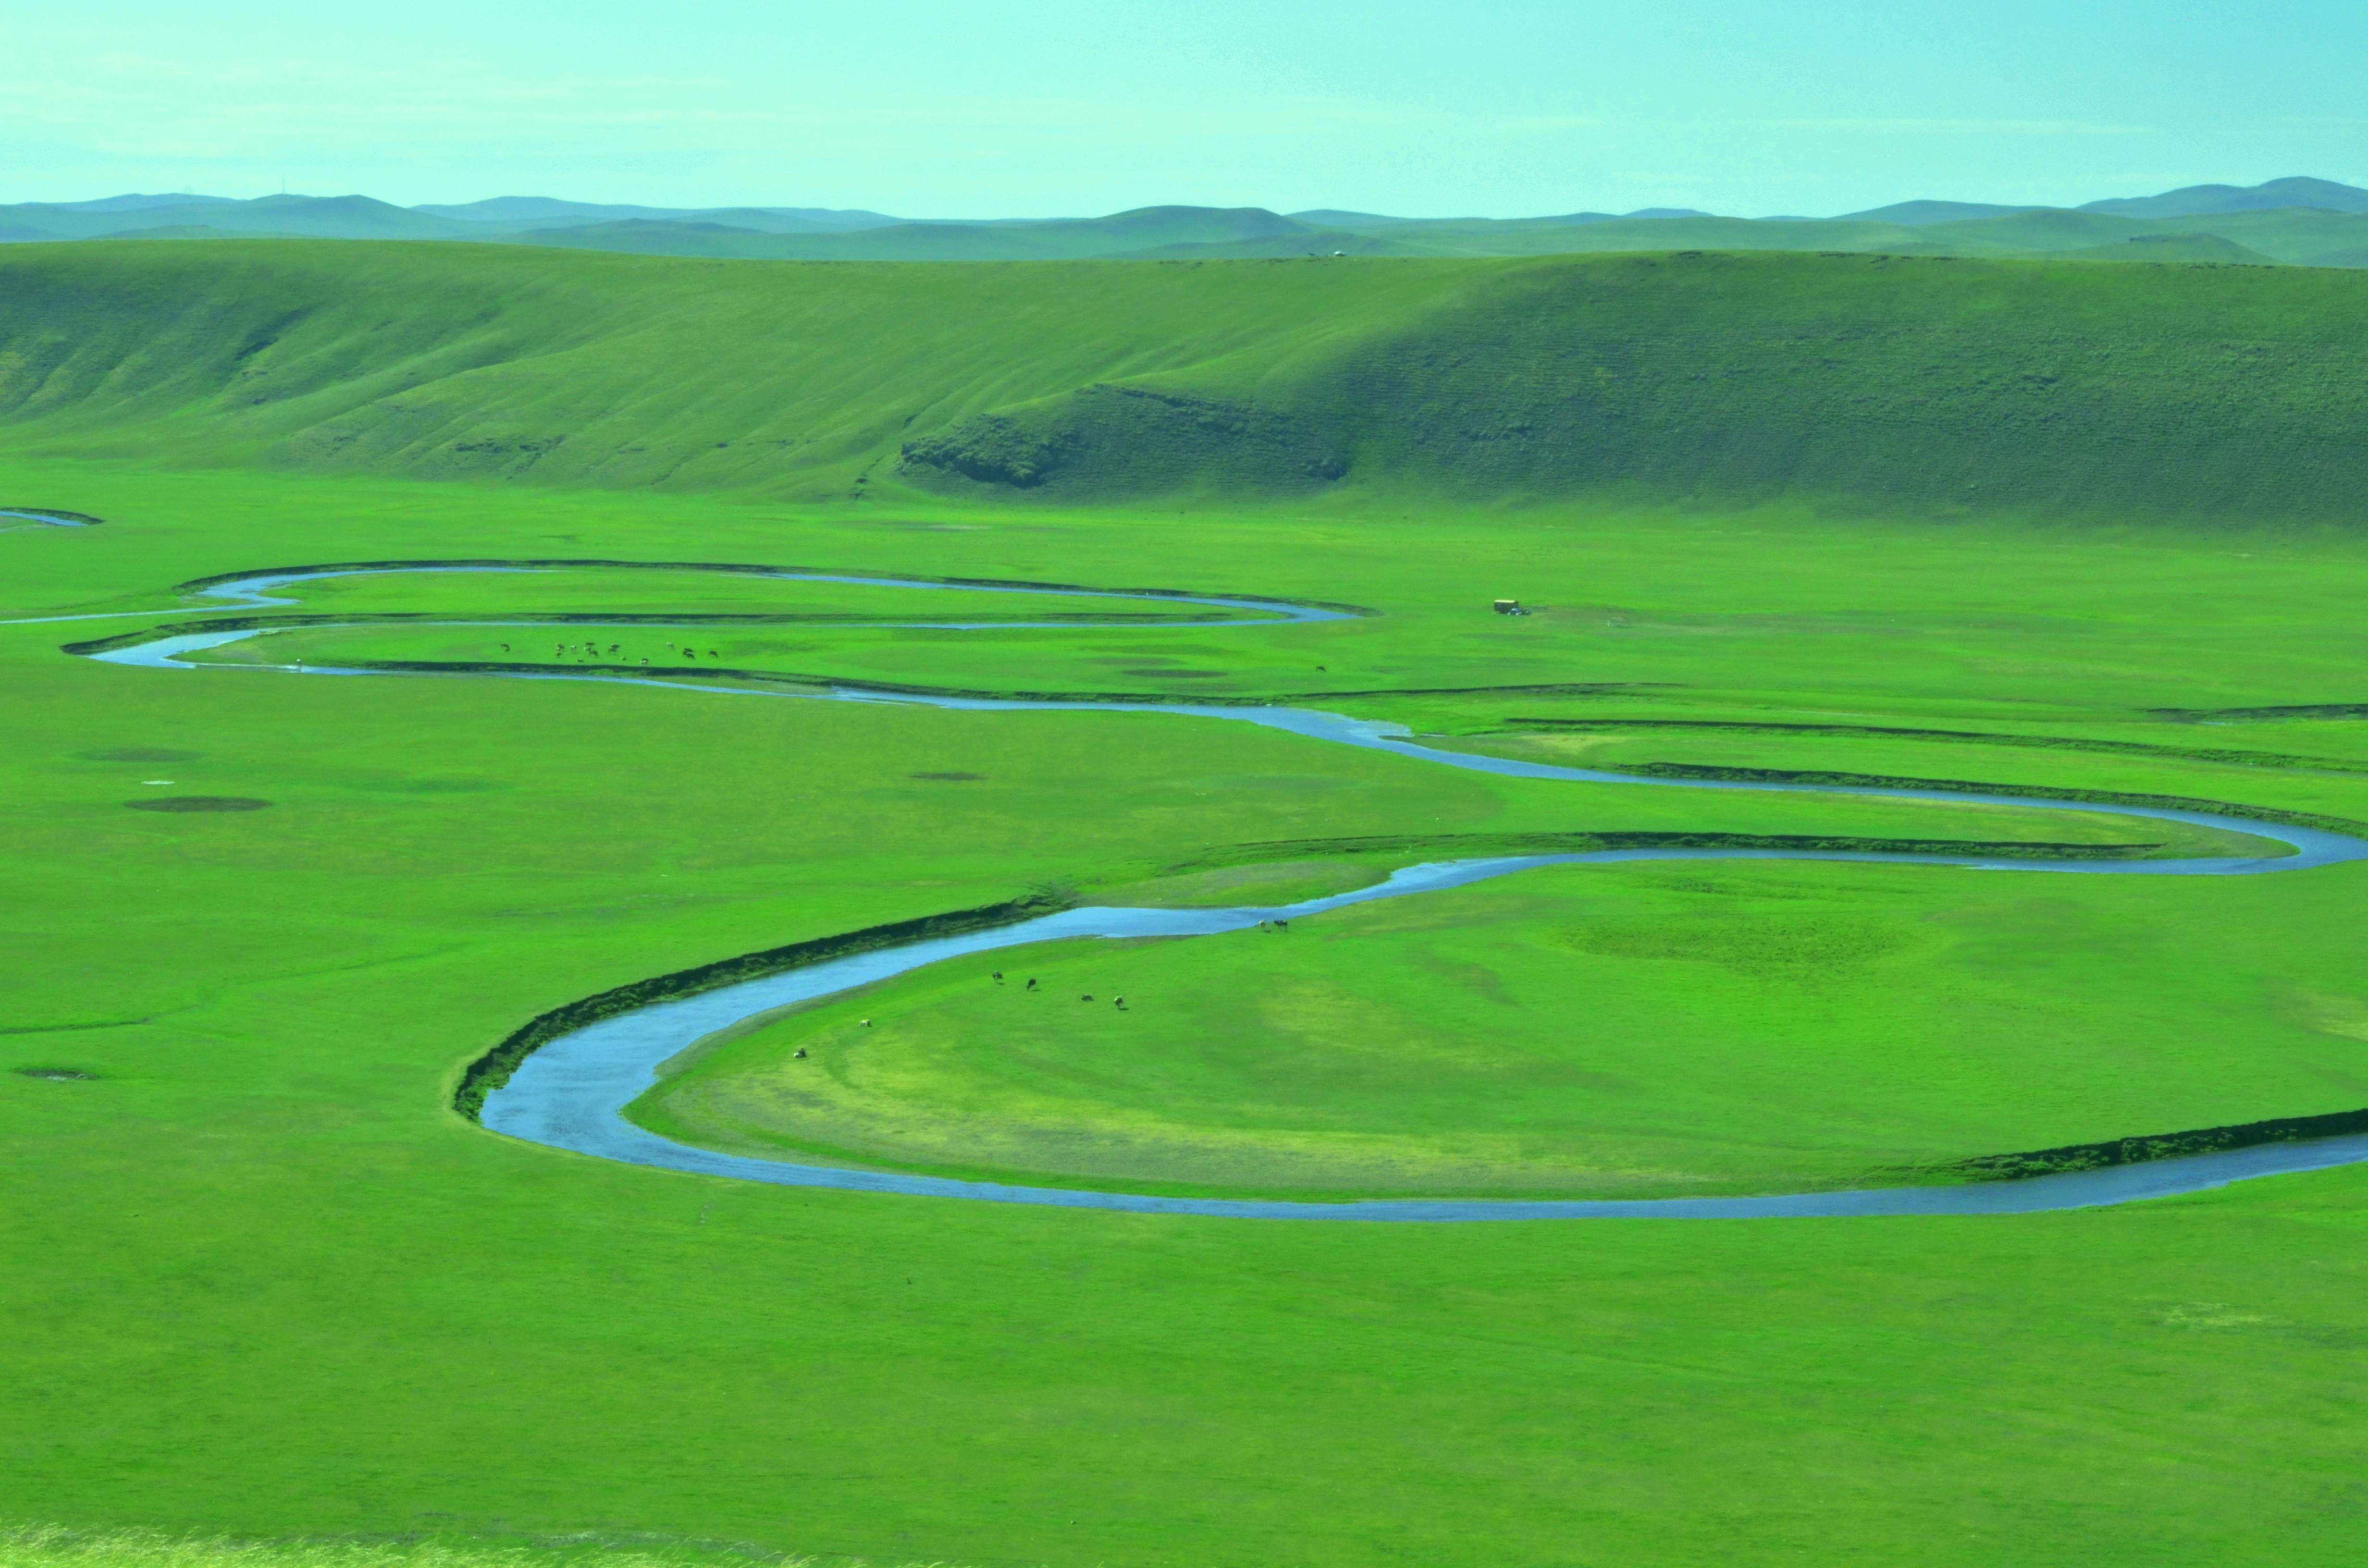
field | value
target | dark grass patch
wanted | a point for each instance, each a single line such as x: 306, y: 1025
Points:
x: 59, y: 1074
x: 754, y: 570
x: 1478, y: 844
x: 1971, y: 787
x: 54, y: 514
x: 185, y: 803
x: 138, y: 754
x: 804, y: 682
x: 2253, y: 715
x: 1103, y: 437
x: 811, y: 683
x: 435, y: 786
x: 1884, y: 731
x: 1550, y: 688
x: 948, y: 777
x: 1149, y: 674
x: 2143, y: 1148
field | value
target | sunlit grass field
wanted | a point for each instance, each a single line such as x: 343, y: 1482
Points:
x: 264, y: 1283
x: 52, y: 1546
x: 1630, y: 1030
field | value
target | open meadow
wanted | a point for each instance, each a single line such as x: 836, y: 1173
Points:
x: 271, y: 902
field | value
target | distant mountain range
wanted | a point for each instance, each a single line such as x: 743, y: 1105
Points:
x: 535, y: 211
x: 2200, y: 200
x: 2298, y: 222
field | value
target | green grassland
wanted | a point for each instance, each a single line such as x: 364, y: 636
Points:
x: 265, y: 1282
x: 565, y: 591
x: 1928, y: 386
x: 1639, y: 1030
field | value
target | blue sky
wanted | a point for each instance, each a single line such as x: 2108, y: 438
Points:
x: 992, y: 108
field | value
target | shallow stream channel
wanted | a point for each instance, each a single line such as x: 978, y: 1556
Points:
x: 571, y: 1092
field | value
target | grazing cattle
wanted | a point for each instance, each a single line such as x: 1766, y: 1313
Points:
x: 802, y: 1053
x: 1119, y: 1002
x: 998, y: 977
x: 865, y: 1022
x: 1032, y: 983
x: 1283, y: 924
x: 1087, y: 997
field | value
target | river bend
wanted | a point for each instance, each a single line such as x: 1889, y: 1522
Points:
x: 571, y: 1093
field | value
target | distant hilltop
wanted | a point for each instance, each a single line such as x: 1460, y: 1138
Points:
x: 2292, y: 222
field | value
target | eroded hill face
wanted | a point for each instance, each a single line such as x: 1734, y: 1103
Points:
x: 1923, y: 382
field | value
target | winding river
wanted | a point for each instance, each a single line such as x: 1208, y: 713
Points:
x: 571, y: 1093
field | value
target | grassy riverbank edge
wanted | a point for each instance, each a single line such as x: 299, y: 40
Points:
x: 491, y: 1070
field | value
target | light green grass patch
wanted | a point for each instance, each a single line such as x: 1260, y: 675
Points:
x: 1603, y: 1030
x: 51, y: 1547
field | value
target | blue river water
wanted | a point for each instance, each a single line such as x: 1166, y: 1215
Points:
x: 572, y: 1093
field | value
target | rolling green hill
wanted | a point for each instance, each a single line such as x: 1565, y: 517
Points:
x: 2298, y: 235
x: 1317, y: 242
x: 2239, y: 394
x: 1919, y: 212
x: 2207, y: 248
x: 662, y: 236
x: 2314, y: 238
x: 1549, y: 237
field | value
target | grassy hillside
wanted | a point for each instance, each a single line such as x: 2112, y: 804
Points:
x: 2230, y: 393
x: 2297, y: 235
x: 450, y: 361
x: 2207, y: 248
x: 1922, y: 382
